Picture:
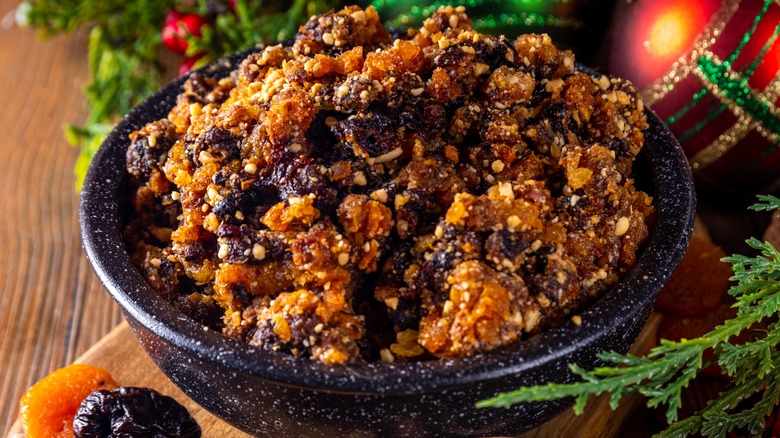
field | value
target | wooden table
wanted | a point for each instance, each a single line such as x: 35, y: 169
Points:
x: 52, y: 307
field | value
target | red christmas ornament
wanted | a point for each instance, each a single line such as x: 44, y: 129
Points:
x: 710, y: 70
x: 178, y: 27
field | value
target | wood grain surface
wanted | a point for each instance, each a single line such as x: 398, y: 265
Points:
x: 52, y: 308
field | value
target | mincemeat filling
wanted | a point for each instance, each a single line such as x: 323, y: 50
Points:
x: 356, y: 198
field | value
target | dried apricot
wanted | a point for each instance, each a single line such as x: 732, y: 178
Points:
x: 698, y: 283
x: 48, y: 407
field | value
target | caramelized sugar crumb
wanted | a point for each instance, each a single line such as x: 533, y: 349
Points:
x: 357, y: 198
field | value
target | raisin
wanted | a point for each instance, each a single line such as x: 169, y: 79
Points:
x: 506, y: 244
x: 308, y: 179
x: 452, y: 56
x: 202, y: 89
x: 495, y: 53
x: 148, y: 148
x: 199, y: 250
x: 200, y: 307
x: 133, y: 412
x: 406, y: 314
x: 140, y: 159
x: 371, y: 134
x: 241, y: 295
x: 221, y: 141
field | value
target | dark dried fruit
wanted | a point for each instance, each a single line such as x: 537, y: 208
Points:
x: 284, y: 204
x: 133, y: 412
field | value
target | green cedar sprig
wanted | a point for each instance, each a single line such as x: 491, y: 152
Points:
x: 668, y: 368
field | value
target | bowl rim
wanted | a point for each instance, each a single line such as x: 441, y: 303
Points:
x: 102, y: 240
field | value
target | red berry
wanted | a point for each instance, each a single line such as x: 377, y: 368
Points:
x: 178, y: 27
x: 189, y: 63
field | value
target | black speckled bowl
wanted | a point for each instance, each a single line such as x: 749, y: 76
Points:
x: 272, y: 394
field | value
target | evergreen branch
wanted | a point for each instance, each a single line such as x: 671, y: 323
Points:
x: 734, y: 358
x: 767, y: 203
x: 65, y: 16
x: 714, y: 419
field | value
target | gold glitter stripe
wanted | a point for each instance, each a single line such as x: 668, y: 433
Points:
x: 744, y: 124
x: 771, y: 93
x: 736, y: 109
x: 687, y: 63
x: 772, y: 89
x: 770, y: 136
x: 724, y: 143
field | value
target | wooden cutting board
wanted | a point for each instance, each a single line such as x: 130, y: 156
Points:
x: 121, y: 354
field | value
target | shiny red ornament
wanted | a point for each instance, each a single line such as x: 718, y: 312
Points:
x: 650, y: 35
x: 711, y: 70
x: 178, y: 27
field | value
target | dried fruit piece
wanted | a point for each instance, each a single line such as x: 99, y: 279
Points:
x: 133, y: 412
x: 48, y: 407
x: 698, y: 283
x: 350, y: 168
x: 407, y: 345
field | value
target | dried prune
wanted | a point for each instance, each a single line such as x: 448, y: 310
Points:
x: 133, y: 412
x: 698, y: 283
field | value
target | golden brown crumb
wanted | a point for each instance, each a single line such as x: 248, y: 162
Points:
x: 356, y: 198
